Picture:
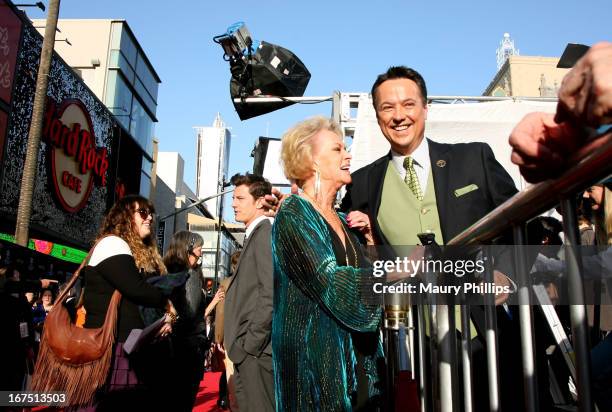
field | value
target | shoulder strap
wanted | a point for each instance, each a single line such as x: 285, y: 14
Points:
x: 77, y: 273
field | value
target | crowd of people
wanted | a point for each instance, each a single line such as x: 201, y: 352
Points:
x: 294, y: 323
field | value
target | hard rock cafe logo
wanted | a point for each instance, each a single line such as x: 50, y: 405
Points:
x: 75, y: 160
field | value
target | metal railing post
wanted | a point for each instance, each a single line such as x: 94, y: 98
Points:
x: 577, y: 308
x: 466, y: 354
x: 491, y: 336
x: 445, y: 356
x: 526, y: 320
x: 423, y: 386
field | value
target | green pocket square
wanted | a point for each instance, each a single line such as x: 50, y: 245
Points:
x: 467, y: 189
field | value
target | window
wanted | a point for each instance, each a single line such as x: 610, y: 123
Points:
x: 119, y: 98
x: 147, y: 166
x: 118, y: 61
x: 145, y: 75
x: 141, y: 127
x: 145, y: 96
x: 128, y: 46
x: 145, y: 185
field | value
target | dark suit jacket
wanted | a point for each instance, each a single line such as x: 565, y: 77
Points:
x: 248, y: 300
x: 464, y: 164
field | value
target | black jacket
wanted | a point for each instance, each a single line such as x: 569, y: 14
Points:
x: 453, y: 166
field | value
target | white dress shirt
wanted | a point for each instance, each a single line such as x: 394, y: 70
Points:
x: 254, y: 224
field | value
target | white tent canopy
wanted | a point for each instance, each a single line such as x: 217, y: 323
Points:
x: 489, y: 122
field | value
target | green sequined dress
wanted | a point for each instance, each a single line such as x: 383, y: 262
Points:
x: 327, y: 352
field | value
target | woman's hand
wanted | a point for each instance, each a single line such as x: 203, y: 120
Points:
x: 360, y: 221
x: 219, y: 296
x: 165, y: 330
x: 170, y: 309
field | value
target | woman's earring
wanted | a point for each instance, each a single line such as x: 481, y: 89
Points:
x: 317, y: 186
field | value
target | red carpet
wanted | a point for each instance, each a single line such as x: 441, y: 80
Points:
x: 206, y: 400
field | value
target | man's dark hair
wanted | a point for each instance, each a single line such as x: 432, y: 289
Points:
x: 400, y: 72
x: 258, y: 185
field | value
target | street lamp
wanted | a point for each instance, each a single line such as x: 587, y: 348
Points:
x: 224, y: 184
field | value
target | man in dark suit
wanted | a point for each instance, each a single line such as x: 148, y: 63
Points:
x: 467, y: 180
x: 248, y: 300
x: 420, y: 185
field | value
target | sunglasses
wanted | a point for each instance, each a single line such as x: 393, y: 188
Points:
x: 145, y: 213
x: 198, y: 258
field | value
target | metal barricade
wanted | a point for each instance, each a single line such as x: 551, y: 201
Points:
x: 438, y: 377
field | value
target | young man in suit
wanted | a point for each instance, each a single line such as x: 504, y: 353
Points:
x: 248, y: 299
x: 423, y: 186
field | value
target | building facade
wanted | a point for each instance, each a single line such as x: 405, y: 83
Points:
x: 232, y: 236
x: 77, y: 159
x: 106, y: 55
x: 212, y: 162
x: 172, y: 194
x: 87, y: 159
x: 526, y: 76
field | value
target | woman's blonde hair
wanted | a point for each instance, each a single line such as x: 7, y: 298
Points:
x: 119, y: 221
x: 296, y: 147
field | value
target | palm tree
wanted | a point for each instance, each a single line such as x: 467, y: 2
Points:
x: 24, y: 209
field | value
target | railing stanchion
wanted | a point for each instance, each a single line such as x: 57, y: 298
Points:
x: 526, y: 320
x: 491, y: 336
x: 423, y: 386
x: 466, y: 355
x: 577, y: 308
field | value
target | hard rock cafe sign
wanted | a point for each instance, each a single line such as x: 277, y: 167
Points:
x: 76, y: 163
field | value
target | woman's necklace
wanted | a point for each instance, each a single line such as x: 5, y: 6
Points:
x: 337, y: 219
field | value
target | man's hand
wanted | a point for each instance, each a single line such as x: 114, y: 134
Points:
x: 501, y: 280
x: 416, y: 254
x: 585, y: 96
x: 360, y: 221
x: 46, y: 283
x: 273, y: 202
x: 541, y: 146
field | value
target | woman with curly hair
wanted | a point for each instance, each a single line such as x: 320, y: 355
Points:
x: 125, y: 253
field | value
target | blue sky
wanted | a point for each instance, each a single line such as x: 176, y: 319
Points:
x: 344, y: 44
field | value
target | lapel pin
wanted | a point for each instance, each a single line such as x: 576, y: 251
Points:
x: 441, y: 163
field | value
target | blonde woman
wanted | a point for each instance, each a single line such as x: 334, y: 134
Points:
x: 327, y: 353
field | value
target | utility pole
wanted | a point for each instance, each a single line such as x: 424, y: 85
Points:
x: 224, y: 184
x: 24, y: 210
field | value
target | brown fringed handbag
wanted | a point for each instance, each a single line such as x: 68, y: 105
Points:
x: 72, y: 359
